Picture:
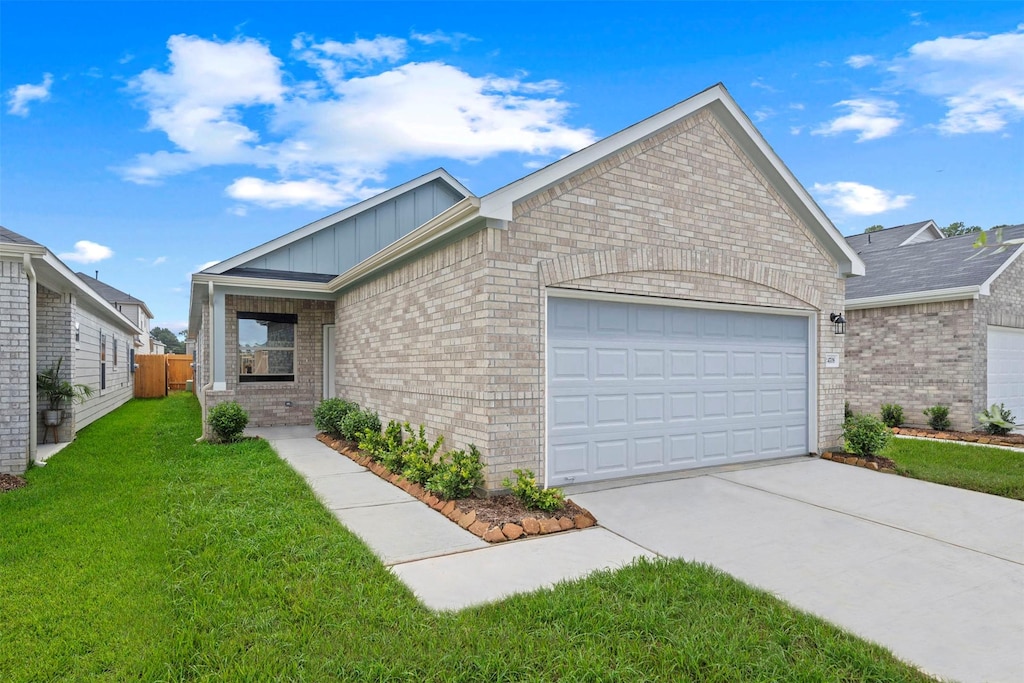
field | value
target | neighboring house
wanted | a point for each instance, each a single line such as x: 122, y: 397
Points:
x: 935, y: 321
x: 46, y: 308
x: 657, y: 301
x: 134, y: 309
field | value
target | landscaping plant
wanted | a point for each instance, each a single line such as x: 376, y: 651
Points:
x: 865, y: 435
x: 227, y: 420
x: 456, y: 474
x: 356, y: 422
x: 997, y: 420
x: 892, y: 414
x: 377, y: 445
x: 329, y: 414
x: 418, y: 455
x: 938, y: 417
x: 58, y: 390
x: 530, y: 494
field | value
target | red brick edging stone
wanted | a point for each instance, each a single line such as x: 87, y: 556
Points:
x: 528, y: 526
x: 850, y: 459
x: 971, y: 437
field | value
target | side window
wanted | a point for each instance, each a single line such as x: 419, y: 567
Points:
x: 103, y: 361
x: 266, y: 347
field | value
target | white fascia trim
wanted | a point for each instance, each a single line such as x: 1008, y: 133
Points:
x: 14, y: 252
x: 911, y: 298
x: 455, y: 217
x: 103, y: 306
x: 498, y: 204
x: 930, y: 225
x: 987, y: 284
x: 337, y: 217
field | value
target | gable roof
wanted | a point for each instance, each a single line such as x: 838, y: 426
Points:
x: 498, y: 204
x: 12, y: 237
x: 937, y: 270
x: 113, y: 294
x: 240, y: 260
x: 889, y: 238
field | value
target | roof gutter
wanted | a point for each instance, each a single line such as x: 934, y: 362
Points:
x: 912, y: 298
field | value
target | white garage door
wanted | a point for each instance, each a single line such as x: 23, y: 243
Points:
x: 1006, y: 369
x: 637, y: 388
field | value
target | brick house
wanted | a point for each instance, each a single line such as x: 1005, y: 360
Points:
x: 48, y: 313
x: 936, y: 321
x: 657, y: 301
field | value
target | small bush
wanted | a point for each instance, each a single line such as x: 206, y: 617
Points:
x: 418, y: 455
x: 892, y: 414
x: 457, y: 474
x: 378, y: 445
x: 357, y: 422
x: 329, y: 414
x: 938, y: 417
x: 529, y: 492
x: 227, y: 420
x: 865, y: 435
x: 997, y: 420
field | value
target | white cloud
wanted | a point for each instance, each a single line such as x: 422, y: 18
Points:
x: 155, y: 262
x: 86, y: 252
x: 329, y: 141
x: 860, y: 61
x: 440, y: 37
x: 916, y: 19
x: 858, y: 199
x: 980, y: 79
x: 872, y: 119
x: 797, y: 106
x: 20, y: 96
x: 796, y: 130
x: 759, y: 83
x: 763, y: 113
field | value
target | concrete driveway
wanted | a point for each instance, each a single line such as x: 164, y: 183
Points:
x: 935, y: 574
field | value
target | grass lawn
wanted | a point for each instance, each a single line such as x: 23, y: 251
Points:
x: 990, y: 470
x: 136, y: 554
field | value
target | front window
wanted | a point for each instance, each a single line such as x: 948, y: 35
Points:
x: 266, y: 347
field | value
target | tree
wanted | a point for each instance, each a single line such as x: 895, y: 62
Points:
x: 959, y: 228
x: 874, y: 228
x: 170, y: 340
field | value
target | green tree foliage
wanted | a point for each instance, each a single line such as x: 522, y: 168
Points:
x: 874, y: 228
x: 959, y: 228
x: 170, y: 340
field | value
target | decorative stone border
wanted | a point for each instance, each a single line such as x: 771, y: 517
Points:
x: 850, y: 459
x: 528, y: 526
x: 970, y: 437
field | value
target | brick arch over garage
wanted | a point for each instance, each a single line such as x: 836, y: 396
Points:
x: 714, y: 262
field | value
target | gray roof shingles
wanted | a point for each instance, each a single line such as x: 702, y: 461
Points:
x: 928, y: 266
x: 111, y: 294
x: 12, y: 237
x: 884, y: 239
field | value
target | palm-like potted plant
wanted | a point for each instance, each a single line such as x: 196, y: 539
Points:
x: 57, y: 391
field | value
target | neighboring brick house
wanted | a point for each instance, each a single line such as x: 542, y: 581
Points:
x: 46, y: 307
x: 936, y: 321
x: 657, y: 301
x: 132, y: 308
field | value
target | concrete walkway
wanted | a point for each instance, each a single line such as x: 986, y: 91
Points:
x: 935, y: 574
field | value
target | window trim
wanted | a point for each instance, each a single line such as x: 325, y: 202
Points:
x: 290, y: 318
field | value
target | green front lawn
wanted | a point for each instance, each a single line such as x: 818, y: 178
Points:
x: 991, y: 470
x: 138, y: 555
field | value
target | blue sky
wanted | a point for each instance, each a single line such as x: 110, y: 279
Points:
x: 145, y: 139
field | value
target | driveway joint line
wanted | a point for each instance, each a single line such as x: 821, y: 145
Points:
x: 867, y: 519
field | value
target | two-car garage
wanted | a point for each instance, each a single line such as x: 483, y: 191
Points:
x: 635, y: 387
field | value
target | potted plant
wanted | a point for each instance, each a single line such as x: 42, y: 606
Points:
x: 57, y: 390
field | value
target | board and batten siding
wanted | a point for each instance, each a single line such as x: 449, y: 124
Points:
x: 334, y: 250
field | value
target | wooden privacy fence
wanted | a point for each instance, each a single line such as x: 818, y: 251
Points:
x: 159, y: 373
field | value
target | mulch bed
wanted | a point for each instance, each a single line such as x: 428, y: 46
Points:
x: 1012, y: 440
x: 495, y: 519
x: 9, y: 482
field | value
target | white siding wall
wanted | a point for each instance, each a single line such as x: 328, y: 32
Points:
x: 119, y: 385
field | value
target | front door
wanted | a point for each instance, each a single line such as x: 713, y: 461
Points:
x: 328, y: 361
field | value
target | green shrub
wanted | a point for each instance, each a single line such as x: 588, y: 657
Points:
x: 227, y: 420
x: 938, y: 417
x: 865, y: 435
x: 892, y: 414
x: 377, y: 445
x: 456, y: 474
x: 529, y: 492
x: 329, y: 414
x: 418, y: 455
x: 357, y: 422
x: 997, y: 420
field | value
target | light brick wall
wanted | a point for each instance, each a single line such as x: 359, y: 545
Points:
x: 917, y: 356
x: 266, y: 401
x: 14, y: 379
x: 456, y: 339
x: 55, y: 341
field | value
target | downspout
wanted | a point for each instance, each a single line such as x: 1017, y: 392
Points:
x: 209, y: 357
x: 33, y: 414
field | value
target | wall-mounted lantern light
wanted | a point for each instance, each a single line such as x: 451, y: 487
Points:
x: 839, y: 321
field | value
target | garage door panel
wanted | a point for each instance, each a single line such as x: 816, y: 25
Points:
x: 1006, y: 369
x: 651, y: 388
